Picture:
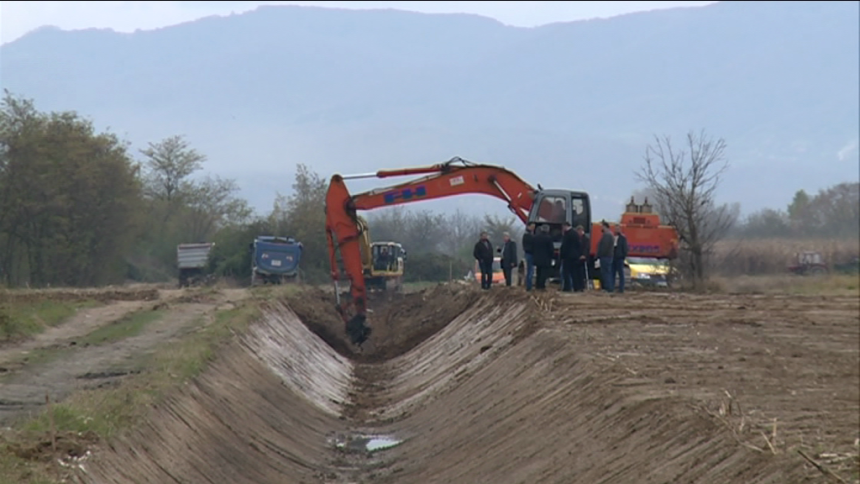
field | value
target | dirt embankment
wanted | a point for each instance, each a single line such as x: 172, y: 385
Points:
x: 508, y: 388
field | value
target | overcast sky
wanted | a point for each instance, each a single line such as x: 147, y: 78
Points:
x: 18, y: 18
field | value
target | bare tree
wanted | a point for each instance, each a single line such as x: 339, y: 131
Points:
x: 684, y: 182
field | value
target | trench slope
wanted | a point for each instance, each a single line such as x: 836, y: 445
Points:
x: 490, y: 397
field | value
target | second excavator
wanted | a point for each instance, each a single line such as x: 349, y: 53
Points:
x: 552, y: 207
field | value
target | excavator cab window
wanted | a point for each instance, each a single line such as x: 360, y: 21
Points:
x: 554, y: 207
x: 382, y: 258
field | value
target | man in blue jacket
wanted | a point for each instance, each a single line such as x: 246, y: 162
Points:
x: 528, y: 247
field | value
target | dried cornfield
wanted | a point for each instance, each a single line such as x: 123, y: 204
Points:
x: 773, y: 256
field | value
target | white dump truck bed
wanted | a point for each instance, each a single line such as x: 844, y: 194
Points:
x: 192, y: 256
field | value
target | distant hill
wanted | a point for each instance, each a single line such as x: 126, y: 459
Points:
x: 565, y: 105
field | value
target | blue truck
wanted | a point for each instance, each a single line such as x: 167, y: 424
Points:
x: 275, y: 260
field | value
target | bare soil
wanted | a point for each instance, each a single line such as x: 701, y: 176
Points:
x: 505, y: 387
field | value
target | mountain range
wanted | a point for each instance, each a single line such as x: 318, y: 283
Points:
x: 567, y: 105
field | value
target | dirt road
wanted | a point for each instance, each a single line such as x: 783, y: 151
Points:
x: 468, y: 387
x: 53, y: 363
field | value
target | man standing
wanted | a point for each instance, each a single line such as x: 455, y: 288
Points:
x: 543, y: 255
x: 568, y: 241
x: 483, y: 253
x: 509, y: 257
x: 528, y: 245
x: 618, y: 258
x: 572, y: 259
x: 580, y: 274
x: 605, y: 249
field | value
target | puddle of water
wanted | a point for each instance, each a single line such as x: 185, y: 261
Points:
x: 363, y: 443
x: 380, y: 443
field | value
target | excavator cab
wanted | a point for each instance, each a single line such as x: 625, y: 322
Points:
x: 553, y: 208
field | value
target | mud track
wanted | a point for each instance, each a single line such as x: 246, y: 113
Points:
x: 514, y: 389
x: 54, y: 364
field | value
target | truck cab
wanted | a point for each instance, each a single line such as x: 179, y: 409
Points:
x: 275, y: 260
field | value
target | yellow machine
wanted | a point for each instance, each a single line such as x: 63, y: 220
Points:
x: 383, y: 262
x: 648, y: 272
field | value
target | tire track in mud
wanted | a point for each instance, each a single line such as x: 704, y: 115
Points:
x: 491, y: 397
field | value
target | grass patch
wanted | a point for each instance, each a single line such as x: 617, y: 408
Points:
x: 125, y: 327
x: 20, y: 320
x: 106, y: 412
x: 269, y: 293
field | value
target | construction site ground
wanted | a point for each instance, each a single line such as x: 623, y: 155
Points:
x: 455, y: 385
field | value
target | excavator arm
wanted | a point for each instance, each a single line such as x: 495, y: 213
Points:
x: 344, y: 227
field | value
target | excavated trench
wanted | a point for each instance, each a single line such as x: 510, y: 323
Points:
x: 455, y: 387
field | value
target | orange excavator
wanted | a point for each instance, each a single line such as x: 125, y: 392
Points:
x: 552, y: 207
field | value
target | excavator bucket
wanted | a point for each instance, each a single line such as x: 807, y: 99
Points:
x: 357, y: 330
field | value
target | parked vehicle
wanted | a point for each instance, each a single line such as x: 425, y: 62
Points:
x: 275, y: 260
x: 809, y: 263
x: 191, y: 260
x: 850, y: 267
x: 647, y: 272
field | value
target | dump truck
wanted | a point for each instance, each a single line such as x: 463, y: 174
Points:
x: 275, y: 260
x: 192, y: 260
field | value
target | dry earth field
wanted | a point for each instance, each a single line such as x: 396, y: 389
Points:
x: 456, y: 385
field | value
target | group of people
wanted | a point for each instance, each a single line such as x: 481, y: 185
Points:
x: 539, y: 253
x: 483, y: 253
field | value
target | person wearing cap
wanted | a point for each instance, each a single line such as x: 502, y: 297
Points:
x: 605, y: 252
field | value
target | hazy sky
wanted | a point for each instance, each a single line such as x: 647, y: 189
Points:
x: 18, y: 18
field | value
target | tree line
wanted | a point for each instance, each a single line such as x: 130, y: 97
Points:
x: 79, y: 208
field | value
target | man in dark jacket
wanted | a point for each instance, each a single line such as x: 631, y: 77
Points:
x: 572, y: 259
x: 528, y: 245
x: 580, y: 280
x: 509, y: 258
x: 483, y: 253
x: 543, y: 255
x: 618, y: 257
x: 605, y: 249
